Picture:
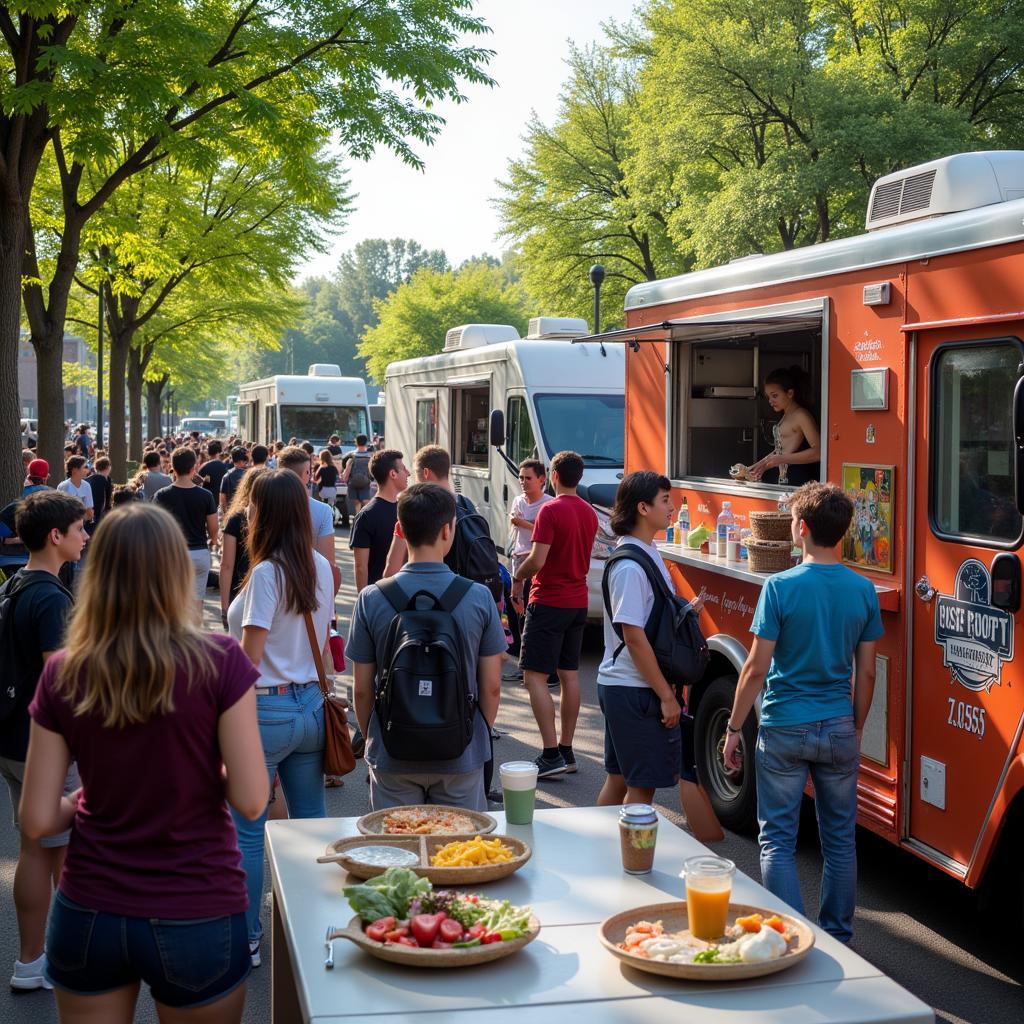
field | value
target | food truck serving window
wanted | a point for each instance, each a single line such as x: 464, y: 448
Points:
x: 426, y: 422
x: 471, y: 408
x: 972, y: 454
x: 741, y: 392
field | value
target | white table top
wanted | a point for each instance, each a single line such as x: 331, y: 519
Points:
x: 573, y: 882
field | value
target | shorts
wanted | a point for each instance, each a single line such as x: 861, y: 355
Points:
x: 201, y: 563
x: 328, y: 494
x: 552, y: 638
x: 636, y: 745
x: 13, y: 773
x: 358, y: 493
x: 398, y: 789
x: 184, y: 963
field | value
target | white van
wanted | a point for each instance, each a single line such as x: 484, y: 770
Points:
x: 214, y: 425
x: 493, y: 399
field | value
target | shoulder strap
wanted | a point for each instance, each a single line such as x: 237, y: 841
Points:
x: 453, y: 595
x: 317, y: 654
x: 396, y: 596
x: 631, y: 553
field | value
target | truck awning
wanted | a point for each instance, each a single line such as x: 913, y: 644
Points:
x: 705, y: 328
x: 451, y: 382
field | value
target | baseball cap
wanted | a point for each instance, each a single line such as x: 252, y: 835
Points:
x: 39, y: 467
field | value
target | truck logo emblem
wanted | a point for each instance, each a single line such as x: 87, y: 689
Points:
x: 975, y: 637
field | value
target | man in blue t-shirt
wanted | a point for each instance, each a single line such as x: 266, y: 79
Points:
x: 812, y: 625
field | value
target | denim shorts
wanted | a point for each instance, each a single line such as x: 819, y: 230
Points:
x: 184, y: 963
x: 636, y: 745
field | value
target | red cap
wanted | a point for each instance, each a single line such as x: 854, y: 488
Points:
x: 39, y: 467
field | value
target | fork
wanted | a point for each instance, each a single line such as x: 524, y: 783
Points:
x: 332, y: 934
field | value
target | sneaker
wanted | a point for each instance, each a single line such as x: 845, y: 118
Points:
x: 254, y: 952
x: 570, y: 759
x: 554, y: 682
x: 29, y: 976
x: 512, y: 675
x: 549, y: 766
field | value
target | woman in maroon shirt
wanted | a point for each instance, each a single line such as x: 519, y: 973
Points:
x: 162, y: 721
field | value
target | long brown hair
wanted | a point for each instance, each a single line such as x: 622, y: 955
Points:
x: 134, y: 625
x: 281, y: 531
x: 240, y: 502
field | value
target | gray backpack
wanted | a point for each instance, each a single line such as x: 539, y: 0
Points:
x: 359, y: 478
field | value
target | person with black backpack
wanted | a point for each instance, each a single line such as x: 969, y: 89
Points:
x: 426, y: 649
x: 356, y: 475
x: 33, y: 607
x: 653, y: 648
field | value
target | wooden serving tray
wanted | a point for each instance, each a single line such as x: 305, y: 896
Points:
x: 675, y: 919
x: 425, y: 847
x: 407, y: 955
x: 372, y: 824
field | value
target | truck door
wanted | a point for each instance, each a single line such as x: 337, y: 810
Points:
x: 470, y: 408
x: 965, y: 706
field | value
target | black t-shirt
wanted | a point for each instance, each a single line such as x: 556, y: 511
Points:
x: 190, y: 506
x: 39, y: 616
x: 232, y: 478
x: 83, y: 443
x: 102, y: 495
x: 327, y: 476
x: 213, y: 473
x: 374, y: 528
x: 237, y: 526
x: 334, y: 449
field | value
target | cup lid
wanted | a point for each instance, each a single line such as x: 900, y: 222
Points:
x: 519, y: 768
x: 638, y: 814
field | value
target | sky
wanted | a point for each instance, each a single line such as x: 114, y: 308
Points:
x: 447, y: 205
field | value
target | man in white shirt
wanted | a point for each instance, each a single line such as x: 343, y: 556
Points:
x: 76, y: 486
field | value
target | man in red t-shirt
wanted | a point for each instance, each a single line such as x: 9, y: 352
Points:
x: 563, y: 538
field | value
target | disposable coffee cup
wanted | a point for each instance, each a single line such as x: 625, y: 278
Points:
x: 519, y: 789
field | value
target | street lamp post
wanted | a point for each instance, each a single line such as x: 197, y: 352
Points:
x: 596, y: 278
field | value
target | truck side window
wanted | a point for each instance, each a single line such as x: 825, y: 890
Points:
x: 472, y: 409
x: 972, y: 454
x: 521, y: 442
x: 426, y: 422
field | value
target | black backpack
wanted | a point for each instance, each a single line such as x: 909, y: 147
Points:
x: 423, y: 701
x: 359, y: 478
x: 15, y: 691
x: 672, y: 629
x: 473, y: 553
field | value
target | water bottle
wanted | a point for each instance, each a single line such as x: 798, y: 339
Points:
x: 683, y: 522
x: 726, y: 530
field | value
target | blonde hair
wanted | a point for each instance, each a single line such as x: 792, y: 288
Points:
x: 133, y: 625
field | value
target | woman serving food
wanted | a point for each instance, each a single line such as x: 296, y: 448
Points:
x: 797, y: 455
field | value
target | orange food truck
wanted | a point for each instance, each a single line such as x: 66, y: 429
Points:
x: 910, y: 343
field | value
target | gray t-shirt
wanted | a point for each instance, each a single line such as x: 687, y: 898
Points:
x: 323, y: 519
x: 477, y: 618
x: 155, y: 481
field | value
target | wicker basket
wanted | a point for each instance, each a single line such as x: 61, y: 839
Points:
x: 771, y: 525
x: 770, y: 555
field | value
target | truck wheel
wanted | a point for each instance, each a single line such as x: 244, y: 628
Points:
x: 732, y: 794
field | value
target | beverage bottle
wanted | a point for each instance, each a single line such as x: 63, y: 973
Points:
x: 726, y: 529
x: 683, y: 521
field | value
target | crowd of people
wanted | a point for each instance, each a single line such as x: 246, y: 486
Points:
x: 115, y: 678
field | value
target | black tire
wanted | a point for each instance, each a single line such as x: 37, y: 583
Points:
x: 732, y: 794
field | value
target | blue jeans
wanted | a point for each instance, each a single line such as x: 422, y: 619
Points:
x: 292, y: 730
x: 185, y: 963
x: 830, y: 752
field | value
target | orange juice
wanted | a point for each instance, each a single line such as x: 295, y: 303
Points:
x: 707, y: 908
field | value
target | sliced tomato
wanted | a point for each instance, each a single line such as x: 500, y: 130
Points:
x: 450, y: 931
x: 491, y: 937
x: 424, y: 928
x: 377, y: 931
x: 477, y: 931
x: 406, y: 941
x: 395, y: 934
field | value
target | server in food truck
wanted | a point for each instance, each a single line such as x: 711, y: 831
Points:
x: 796, y: 459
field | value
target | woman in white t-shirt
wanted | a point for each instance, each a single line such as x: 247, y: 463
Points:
x: 287, y: 580
x: 643, y: 748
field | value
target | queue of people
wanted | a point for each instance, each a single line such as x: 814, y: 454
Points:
x: 134, y: 684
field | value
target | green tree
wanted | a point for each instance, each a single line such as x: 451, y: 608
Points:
x: 774, y: 117
x: 567, y: 204
x: 414, y: 319
x: 115, y: 88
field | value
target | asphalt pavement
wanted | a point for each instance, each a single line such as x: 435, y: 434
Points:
x: 920, y: 927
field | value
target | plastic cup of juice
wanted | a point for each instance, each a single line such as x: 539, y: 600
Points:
x: 519, y: 789
x: 708, y: 889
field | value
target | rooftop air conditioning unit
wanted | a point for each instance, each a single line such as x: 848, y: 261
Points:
x: 475, y: 335
x: 966, y: 181
x: 553, y: 328
x: 324, y: 370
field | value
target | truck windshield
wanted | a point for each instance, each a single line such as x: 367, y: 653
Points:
x: 204, y: 426
x: 316, y: 423
x: 592, y: 425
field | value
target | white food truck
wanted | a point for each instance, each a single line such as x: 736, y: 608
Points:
x: 492, y: 399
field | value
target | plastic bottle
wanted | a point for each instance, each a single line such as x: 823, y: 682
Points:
x: 683, y: 521
x: 726, y: 530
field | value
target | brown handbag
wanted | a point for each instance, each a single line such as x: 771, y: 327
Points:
x: 338, y: 756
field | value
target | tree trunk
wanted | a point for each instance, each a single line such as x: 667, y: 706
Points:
x: 135, y: 404
x: 50, y: 388
x: 154, y: 406
x: 12, y: 246
x: 117, y: 448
